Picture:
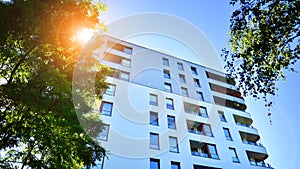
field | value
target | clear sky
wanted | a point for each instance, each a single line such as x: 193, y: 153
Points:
x: 212, y: 18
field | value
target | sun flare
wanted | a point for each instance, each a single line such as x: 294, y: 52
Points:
x: 85, y: 34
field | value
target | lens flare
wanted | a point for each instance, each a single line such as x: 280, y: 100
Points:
x: 85, y: 34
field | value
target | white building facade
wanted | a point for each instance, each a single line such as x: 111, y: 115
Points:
x: 162, y: 112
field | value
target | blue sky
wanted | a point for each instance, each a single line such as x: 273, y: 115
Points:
x: 212, y: 18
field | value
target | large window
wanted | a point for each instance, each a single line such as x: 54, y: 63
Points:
x: 182, y: 78
x: 194, y: 70
x: 154, y: 141
x: 234, y: 156
x: 180, y: 66
x: 184, y: 91
x: 154, y: 118
x: 171, y: 122
x: 153, y: 100
x: 199, y: 128
x: 197, y: 82
x: 103, y: 135
x: 167, y: 74
x: 116, y: 59
x: 173, y: 144
x: 154, y: 164
x: 168, y: 87
x: 175, y: 165
x: 106, y: 108
x: 165, y: 62
x: 111, y: 89
x: 169, y: 103
x: 227, y: 134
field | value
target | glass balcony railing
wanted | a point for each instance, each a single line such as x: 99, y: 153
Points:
x: 261, y: 164
x: 245, y: 125
x: 252, y: 143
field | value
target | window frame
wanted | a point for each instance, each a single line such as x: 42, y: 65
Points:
x: 152, y: 144
x: 101, y: 135
x: 180, y: 66
x: 109, y: 91
x: 154, y: 122
x: 201, y: 112
x: 167, y: 74
x: 222, y: 116
x: 197, y: 82
x: 172, y: 147
x: 166, y: 62
x: 227, y: 134
x: 168, y: 87
x: 234, y: 156
x: 186, y: 91
x: 101, y: 108
x: 194, y: 70
x: 157, y: 161
x: 200, y: 95
x: 151, y: 102
x: 171, y: 122
x: 170, y: 106
x: 182, y: 78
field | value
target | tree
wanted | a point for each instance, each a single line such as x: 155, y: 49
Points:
x: 38, y: 53
x: 264, y: 40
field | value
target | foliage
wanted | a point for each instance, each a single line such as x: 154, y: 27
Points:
x: 264, y: 41
x: 38, y: 52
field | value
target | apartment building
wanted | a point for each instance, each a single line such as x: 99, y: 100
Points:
x: 163, y: 112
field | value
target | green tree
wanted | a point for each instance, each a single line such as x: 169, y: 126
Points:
x: 38, y: 53
x: 264, y: 41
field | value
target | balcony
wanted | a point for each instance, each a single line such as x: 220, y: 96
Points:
x: 199, y: 128
x: 195, y: 110
x: 243, y: 121
x: 220, y: 78
x: 229, y: 103
x: 226, y: 91
x: 257, y: 159
x: 202, y: 149
x: 247, y: 137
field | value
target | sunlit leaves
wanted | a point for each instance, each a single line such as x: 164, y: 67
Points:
x: 264, y: 42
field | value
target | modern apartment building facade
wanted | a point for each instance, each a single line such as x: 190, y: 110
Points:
x: 162, y: 112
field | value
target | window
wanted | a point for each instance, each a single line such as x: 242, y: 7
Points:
x: 169, y: 103
x: 167, y: 74
x: 175, y: 165
x: 173, y: 144
x: 207, y: 130
x: 154, y: 118
x: 111, y: 89
x: 212, y: 151
x: 227, y: 134
x: 126, y: 62
x: 222, y: 116
x: 197, y: 82
x: 103, y: 135
x: 182, y: 78
x: 180, y: 66
x: 154, y: 141
x: 154, y: 164
x: 153, y: 100
x: 234, y: 155
x: 168, y: 87
x: 203, y: 112
x: 184, y: 91
x: 127, y: 50
x: 171, y: 122
x: 106, y: 108
x: 124, y: 76
x: 194, y: 70
x: 120, y: 75
x: 200, y: 95
x: 165, y: 62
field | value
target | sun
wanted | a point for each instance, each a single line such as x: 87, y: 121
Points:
x: 85, y: 34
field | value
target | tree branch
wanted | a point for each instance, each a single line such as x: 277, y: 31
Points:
x: 18, y: 64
